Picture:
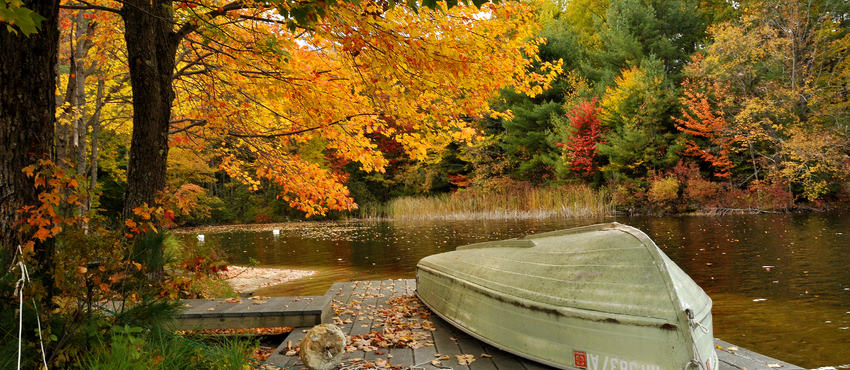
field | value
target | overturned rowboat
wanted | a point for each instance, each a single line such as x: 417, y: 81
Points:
x: 601, y: 297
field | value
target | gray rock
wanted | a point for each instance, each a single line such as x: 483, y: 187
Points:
x: 322, y: 347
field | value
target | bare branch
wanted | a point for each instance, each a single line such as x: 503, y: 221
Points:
x: 88, y: 6
x: 296, y: 132
x: 194, y: 123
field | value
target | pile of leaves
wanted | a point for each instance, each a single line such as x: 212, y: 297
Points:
x: 404, y: 321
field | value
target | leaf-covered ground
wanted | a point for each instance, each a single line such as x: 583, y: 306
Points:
x: 249, y: 279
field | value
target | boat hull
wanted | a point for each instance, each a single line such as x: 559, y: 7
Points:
x: 529, y: 325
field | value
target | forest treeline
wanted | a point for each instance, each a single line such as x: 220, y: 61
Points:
x: 659, y: 106
x: 662, y: 106
x: 667, y: 106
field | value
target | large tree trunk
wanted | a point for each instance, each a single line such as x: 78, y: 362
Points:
x: 151, y: 52
x: 27, y: 109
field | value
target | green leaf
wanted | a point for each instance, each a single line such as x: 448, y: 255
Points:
x: 300, y: 15
x: 430, y: 4
x: 27, y: 21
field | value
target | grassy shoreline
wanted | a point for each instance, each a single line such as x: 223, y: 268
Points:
x: 515, y: 203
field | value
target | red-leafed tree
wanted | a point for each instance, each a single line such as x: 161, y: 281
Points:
x: 580, y: 147
x: 708, y: 131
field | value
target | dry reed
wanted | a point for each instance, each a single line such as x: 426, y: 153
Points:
x: 516, y: 203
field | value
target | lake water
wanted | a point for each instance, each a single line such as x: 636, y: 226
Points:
x: 780, y: 283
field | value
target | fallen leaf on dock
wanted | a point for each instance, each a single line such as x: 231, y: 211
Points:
x: 732, y: 349
x: 774, y: 366
x: 436, y: 363
x: 211, y: 309
x: 486, y: 355
x: 465, y: 359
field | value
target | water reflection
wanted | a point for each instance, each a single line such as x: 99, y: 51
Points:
x: 780, y: 283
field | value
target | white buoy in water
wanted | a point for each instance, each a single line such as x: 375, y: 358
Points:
x: 276, y: 232
x: 200, y: 237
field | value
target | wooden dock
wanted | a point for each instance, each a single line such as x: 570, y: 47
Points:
x: 254, y: 312
x: 361, y: 310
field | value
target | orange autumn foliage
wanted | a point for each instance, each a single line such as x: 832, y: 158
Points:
x: 701, y: 120
x: 279, y: 103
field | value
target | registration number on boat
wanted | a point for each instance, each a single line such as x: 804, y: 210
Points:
x: 584, y: 360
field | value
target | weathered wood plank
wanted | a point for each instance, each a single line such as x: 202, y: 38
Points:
x: 275, y: 306
x: 369, y: 301
x: 276, y: 312
x: 401, y: 356
x: 531, y: 365
x: 471, y: 346
x: 503, y: 360
x: 278, y: 356
x: 295, y: 336
x: 298, y: 304
x: 744, y: 358
x: 321, y: 305
x: 197, y: 308
x: 446, y: 343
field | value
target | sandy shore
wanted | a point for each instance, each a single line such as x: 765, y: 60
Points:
x: 248, y: 279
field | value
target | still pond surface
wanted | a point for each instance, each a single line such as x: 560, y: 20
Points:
x: 780, y: 283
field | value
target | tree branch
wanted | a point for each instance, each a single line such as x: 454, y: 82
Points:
x: 296, y: 132
x: 194, y: 123
x: 90, y: 7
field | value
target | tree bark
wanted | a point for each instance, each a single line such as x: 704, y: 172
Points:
x: 151, y: 52
x: 27, y: 110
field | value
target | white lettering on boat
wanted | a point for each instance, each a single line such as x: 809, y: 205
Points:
x: 612, y: 363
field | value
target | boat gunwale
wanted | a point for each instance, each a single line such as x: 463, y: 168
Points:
x: 564, y: 311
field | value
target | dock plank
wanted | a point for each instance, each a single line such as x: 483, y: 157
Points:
x: 445, y: 341
x: 372, y: 295
x: 401, y: 356
x: 246, y: 313
x: 744, y: 358
x: 503, y: 360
